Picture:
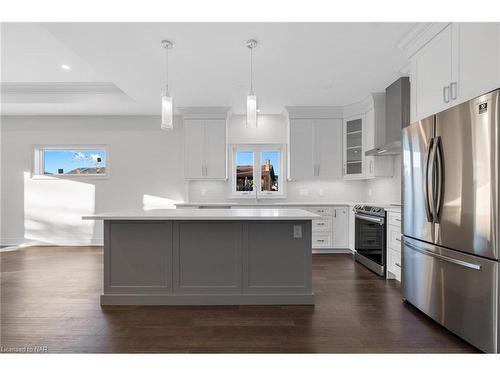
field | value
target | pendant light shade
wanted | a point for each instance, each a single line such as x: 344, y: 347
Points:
x: 251, y: 111
x: 167, y: 111
x: 167, y: 103
x: 251, y: 97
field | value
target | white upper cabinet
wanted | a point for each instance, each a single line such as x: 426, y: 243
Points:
x: 458, y: 63
x: 301, y: 149
x: 432, y: 66
x: 205, y: 149
x: 363, y: 130
x: 328, y: 148
x: 315, y: 148
x: 354, y: 152
x: 194, y: 149
x: 477, y: 68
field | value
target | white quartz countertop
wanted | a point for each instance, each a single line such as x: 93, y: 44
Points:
x: 393, y: 206
x: 201, y: 214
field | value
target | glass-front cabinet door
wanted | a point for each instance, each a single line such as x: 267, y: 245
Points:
x: 353, y: 147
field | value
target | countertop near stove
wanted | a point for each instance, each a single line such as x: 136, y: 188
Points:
x: 386, y: 205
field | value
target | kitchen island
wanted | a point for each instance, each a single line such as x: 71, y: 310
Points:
x: 207, y: 257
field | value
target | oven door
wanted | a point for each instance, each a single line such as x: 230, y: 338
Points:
x: 369, y: 241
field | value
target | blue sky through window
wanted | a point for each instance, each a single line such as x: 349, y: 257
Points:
x: 68, y: 160
x: 246, y: 158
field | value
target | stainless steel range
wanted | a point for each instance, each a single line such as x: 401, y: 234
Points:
x: 370, y: 238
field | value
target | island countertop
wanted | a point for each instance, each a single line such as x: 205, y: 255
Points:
x: 206, y: 214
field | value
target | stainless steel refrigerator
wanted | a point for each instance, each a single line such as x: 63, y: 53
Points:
x: 450, y: 219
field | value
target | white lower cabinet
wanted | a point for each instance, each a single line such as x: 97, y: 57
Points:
x: 331, y: 231
x: 340, y: 228
x: 394, y: 245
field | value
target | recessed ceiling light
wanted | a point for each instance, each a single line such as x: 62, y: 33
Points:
x: 65, y: 67
x: 258, y: 111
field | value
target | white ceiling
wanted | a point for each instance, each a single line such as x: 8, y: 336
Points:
x: 295, y: 64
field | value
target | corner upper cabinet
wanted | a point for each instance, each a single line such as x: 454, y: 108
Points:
x: 453, y: 64
x: 363, y: 130
x: 354, y: 155
x: 432, y: 75
x: 205, y: 146
x: 315, y: 149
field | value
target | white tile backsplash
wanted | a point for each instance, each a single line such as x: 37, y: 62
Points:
x: 385, y: 189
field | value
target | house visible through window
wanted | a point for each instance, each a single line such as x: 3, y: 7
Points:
x: 270, y: 171
x: 257, y: 170
x: 244, y: 171
x: 74, y: 161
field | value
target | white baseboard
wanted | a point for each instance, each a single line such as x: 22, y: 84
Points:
x: 23, y: 242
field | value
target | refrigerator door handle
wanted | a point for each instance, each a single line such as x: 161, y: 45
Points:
x: 426, y: 181
x: 440, y: 177
x: 443, y: 257
x: 433, y: 183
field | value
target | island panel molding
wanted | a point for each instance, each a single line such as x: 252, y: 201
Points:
x: 258, y: 256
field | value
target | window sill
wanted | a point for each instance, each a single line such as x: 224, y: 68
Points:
x: 258, y: 197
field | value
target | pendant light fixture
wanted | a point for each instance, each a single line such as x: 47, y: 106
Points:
x: 251, y: 97
x: 167, y: 104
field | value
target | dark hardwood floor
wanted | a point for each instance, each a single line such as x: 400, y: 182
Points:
x: 50, y: 298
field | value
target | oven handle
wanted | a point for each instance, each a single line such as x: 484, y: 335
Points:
x: 378, y: 220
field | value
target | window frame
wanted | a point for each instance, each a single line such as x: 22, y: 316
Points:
x: 257, y: 150
x: 37, y: 170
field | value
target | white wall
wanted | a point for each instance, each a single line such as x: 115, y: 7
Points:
x: 145, y: 168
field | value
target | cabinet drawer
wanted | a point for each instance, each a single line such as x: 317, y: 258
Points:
x: 320, y: 241
x: 394, y: 218
x: 321, y: 225
x: 323, y: 211
x: 394, y: 263
x: 394, y: 238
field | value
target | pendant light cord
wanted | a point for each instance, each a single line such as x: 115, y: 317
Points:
x: 166, y: 52
x: 251, y: 70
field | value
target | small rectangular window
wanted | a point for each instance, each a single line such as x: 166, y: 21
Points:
x: 70, y: 161
x: 257, y: 171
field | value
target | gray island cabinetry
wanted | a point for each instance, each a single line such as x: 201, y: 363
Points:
x: 207, y: 257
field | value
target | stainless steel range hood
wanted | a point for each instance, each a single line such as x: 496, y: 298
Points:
x: 397, y: 116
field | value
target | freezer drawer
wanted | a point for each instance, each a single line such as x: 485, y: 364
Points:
x: 457, y: 290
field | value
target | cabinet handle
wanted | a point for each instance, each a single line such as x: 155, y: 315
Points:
x: 317, y: 170
x: 453, y: 90
x: 335, y: 213
x: 397, y: 264
x: 371, y: 166
x: 446, y: 94
x: 398, y: 239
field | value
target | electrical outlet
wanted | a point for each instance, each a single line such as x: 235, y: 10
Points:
x: 203, y: 192
x: 297, y: 231
x: 321, y: 192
